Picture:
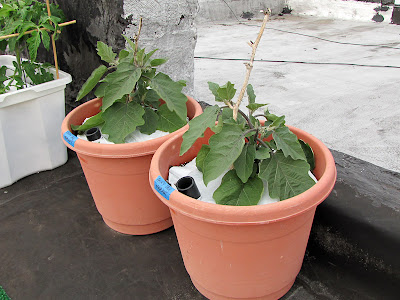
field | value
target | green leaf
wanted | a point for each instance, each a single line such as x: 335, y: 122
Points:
x: 105, y: 52
x: 182, y: 82
x: 198, y: 125
x: 244, y: 163
x: 278, y: 122
x: 130, y: 43
x: 169, y: 120
x: 94, y: 121
x: 158, y: 61
x: 140, y: 56
x: 250, y: 94
x: 226, y: 147
x: 227, y: 91
x: 201, y: 156
x: 33, y: 44
x: 122, y: 54
x: 233, y: 191
x: 227, y: 117
x: 120, y: 83
x: 287, y: 142
x: 45, y: 39
x: 150, y: 118
x: 286, y: 177
x: 152, y: 98
x: 91, y: 82
x: 214, y: 89
x: 263, y: 153
x: 308, y: 153
x: 121, y: 119
x: 101, y: 90
x: 171, y: 92
x: 149, y: 55
x: 255, y: 106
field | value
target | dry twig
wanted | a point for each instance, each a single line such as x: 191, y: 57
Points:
x: 249, y: 65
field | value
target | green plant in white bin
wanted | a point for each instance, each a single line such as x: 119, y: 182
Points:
x: 24, y: 26
x: 240, y: 146
x: 131, y: 89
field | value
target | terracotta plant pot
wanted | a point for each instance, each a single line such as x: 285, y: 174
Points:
x: 117, y: 175
x: 246, y: 252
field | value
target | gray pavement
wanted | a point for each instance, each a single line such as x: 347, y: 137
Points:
x: 338, y: 80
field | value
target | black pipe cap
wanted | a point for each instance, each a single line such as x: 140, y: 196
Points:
x: 186, y: 185
x: 93, y: 134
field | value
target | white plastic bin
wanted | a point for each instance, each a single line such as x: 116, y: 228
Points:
x: 30, y: 122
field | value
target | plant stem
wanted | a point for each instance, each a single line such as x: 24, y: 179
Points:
x: 243, y: 114
x: 53, y: 43
x: 136, y: 38
x: 249, y: 65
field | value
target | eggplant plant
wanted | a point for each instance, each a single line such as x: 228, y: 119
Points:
x: 24, y: 26
x: 131, y: 89
x: 251, y: 148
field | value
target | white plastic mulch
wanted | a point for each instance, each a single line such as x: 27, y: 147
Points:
x: 206, y: 192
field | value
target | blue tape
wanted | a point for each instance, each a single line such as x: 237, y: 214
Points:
x: 70, y: 138
x: 162, y: 187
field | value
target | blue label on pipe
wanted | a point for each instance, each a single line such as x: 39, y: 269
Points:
x: 70, y: 138
x: 163, y: 187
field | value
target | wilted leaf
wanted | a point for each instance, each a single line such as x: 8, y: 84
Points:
x: 233, y: 191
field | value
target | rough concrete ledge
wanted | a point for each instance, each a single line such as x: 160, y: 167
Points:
x: 358, y: 226
x: 54, y: 243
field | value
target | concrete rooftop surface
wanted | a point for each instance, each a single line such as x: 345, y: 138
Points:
x: 338, y: 80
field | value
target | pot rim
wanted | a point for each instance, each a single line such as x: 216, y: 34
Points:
x: 257, y: 214
x: 114, y: 150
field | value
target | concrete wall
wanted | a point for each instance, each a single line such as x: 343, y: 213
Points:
x: 167, y: 25
x: 223, y: 10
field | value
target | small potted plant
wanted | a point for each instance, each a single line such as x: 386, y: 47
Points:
x: 133, y: 98
x: 32, y: 103
x: 234, y: 248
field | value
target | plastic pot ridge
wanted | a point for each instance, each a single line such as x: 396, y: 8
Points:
x: 117, y: 175
x: 246, y: 252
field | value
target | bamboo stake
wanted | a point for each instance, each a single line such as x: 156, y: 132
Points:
x: 249, y: 65
x: 53, y: 42
x: 30, y: 31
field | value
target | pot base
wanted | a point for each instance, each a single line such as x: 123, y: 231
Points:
x: 139, y: 229
x: 213, y: 296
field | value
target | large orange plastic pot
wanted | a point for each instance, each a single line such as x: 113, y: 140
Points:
x: 246, y: 252
x: 117, y: 175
